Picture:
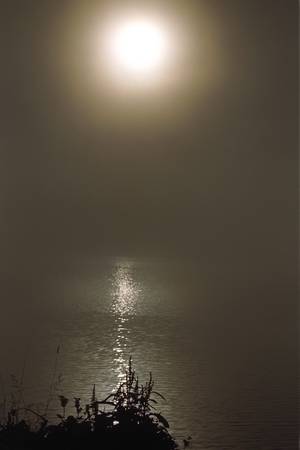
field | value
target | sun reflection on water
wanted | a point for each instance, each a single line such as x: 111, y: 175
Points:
x: 125, y: 296
x: 125, y: 291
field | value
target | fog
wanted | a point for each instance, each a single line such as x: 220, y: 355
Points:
x: 205, y: 167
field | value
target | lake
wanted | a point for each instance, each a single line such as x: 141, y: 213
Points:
x: 219, y: 341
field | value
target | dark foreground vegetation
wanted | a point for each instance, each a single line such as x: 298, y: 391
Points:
x: 126, y: 419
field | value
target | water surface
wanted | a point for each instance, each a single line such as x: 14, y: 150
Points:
x: 220, y: 350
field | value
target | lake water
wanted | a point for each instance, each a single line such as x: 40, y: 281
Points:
x: 221, y: 351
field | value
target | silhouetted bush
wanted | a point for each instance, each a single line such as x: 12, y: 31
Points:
x: 126, y: 419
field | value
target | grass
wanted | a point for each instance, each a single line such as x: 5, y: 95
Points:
x: 126, y: 419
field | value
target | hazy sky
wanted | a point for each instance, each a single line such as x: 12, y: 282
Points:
x: 207, y: 166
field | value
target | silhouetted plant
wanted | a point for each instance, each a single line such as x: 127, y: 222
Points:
x: 127, y: 418
x: 63, y: 403
x: 55, y: 381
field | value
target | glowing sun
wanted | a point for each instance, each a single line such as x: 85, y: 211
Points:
x: 137, y: 47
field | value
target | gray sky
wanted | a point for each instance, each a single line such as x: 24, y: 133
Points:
x: 209, y: 169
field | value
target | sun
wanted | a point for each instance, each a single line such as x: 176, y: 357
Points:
x: 137, y: 47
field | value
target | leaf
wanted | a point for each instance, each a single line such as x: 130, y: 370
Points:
x: 160, y: 395
x: 161, y: 419
x: 93, y: 399
x: 110, y: 396
x: 63, y: 400
x: 105, y: 403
